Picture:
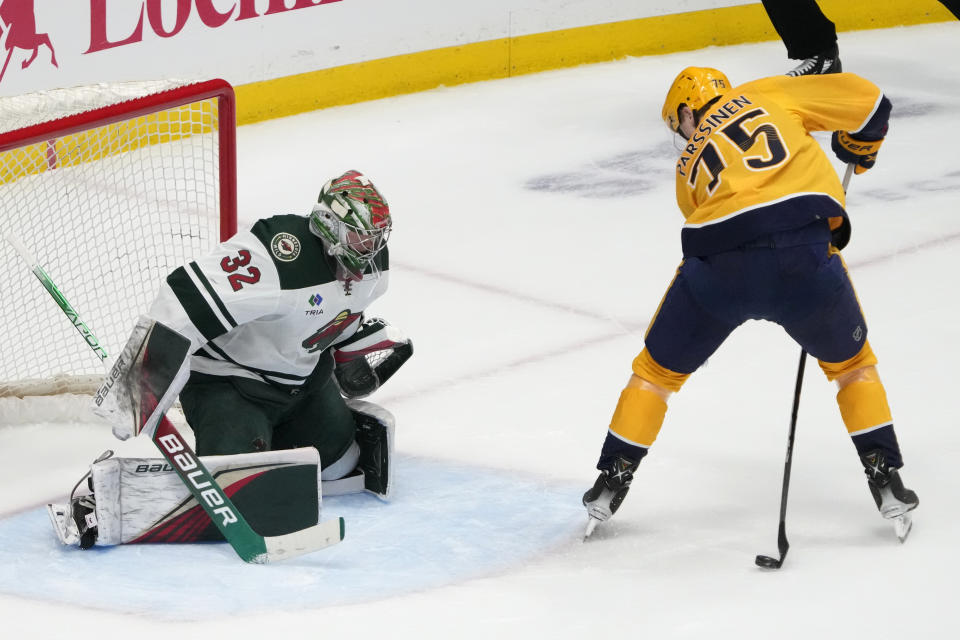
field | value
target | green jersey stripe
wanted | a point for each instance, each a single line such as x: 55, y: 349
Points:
x: 213, y: 294
x: 193, y: 302
x: 260, y: 372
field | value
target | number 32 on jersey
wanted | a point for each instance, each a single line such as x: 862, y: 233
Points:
x: 238, y: 275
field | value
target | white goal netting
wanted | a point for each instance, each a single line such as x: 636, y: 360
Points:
x: 111, y: 187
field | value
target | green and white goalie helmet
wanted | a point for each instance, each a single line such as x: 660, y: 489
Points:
x: 353, y: 219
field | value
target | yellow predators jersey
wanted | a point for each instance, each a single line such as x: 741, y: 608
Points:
x: 751, y: 167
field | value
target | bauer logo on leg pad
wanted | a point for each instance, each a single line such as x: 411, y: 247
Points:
x: 196, y: 475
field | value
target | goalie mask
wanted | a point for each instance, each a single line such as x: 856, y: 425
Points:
x: 353, y: 220
x: 693, y: 87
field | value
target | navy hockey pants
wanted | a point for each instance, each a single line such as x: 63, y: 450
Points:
x: 792, y: 278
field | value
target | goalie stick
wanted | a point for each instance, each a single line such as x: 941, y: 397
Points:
x: 61, y: 301
x: 249, y: 545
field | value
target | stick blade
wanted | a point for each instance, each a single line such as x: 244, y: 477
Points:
x: 298, y: 543
x: 767, y: 562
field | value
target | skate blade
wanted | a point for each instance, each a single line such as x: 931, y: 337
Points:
x: 902, y: 525
x: 591, y: 525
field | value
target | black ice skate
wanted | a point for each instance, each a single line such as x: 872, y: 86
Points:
x: 607, y: 493
x: 828, y: 62
x: 894, y: 501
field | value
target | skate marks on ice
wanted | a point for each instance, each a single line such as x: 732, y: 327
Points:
x: 909, y: 111
x: 907, y: 107
x: 620, y: 176
x: 447, y: 523
x: 947, y: 182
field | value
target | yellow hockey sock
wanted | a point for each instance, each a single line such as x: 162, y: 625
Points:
x: 863, y: 405
x: 638, y: 416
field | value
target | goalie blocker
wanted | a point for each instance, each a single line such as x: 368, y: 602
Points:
x: 145, y: 379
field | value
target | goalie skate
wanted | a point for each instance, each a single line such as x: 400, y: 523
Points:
x: 63, y: 524
x: 75, y: 524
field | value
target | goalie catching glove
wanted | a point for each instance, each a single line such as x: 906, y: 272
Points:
x: 368, y: 358
x: 850, y: 149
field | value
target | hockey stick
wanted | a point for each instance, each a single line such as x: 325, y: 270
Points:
x: 249, y: 545
x: 783, y: 545
x: 61, y: 301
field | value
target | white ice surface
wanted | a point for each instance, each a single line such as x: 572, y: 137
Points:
x: 535, y: 232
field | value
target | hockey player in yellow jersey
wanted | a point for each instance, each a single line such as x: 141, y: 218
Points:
x: 750, y: 165
x: 764, y: 222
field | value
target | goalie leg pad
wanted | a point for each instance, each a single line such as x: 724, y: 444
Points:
x: 375, y: 427
x: 143, y: 500
x: 373, y: 472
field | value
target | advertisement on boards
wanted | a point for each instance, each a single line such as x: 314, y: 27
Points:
x: 60, y: 43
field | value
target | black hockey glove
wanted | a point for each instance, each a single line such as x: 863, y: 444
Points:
x: 849, y: 148
x: 368, y: 358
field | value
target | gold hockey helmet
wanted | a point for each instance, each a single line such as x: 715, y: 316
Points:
x: 694, y: 87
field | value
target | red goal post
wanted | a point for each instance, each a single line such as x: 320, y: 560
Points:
x: 112, y: 187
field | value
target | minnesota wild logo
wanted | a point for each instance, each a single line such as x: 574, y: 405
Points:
x: 326, y: 334
x: 285, y: 247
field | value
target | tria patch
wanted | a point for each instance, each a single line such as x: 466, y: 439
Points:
x: 285, y: 247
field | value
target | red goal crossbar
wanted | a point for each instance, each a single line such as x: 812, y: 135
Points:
x: 137, y: 107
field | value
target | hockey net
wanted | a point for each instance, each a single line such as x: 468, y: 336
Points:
x: 112, y: 187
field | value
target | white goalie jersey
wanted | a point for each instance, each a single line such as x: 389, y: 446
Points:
x: 267, y: 303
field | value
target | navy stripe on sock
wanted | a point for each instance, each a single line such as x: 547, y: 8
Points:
x: 614, y: 446
x: 884, y: 439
